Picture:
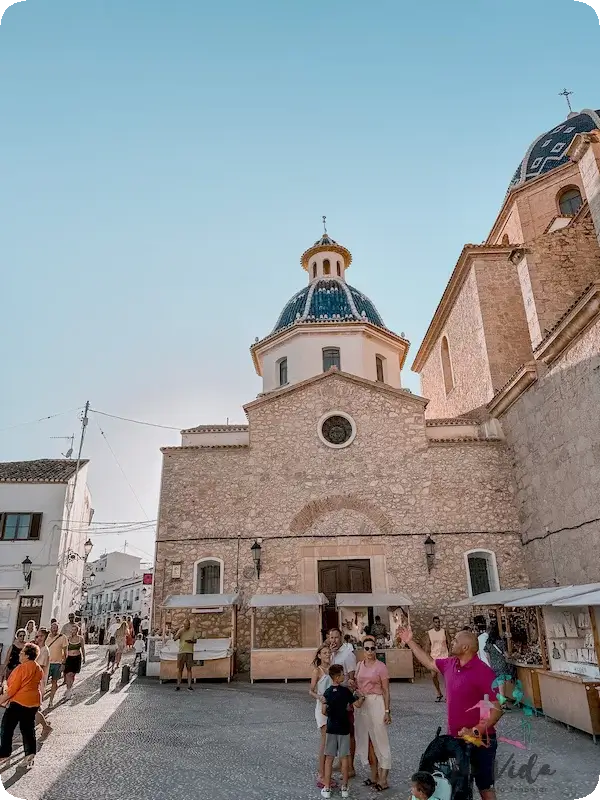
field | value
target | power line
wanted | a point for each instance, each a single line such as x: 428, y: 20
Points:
x: 136, y: 421
x: 122, y: 471
x: 41, y: 419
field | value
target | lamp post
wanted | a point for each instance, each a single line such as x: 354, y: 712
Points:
x: 256, y: 551
x: 27, y: 567
x: 429, y: 552
x: 87, y: 548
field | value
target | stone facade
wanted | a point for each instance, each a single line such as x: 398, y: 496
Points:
x: 377, y: 500
x: 554, y: 431
x: 554, y: 270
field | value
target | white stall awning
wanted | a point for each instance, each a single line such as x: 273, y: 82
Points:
x: 550, y: 596
x: 371, y: 600
x: 587, y: 599
x: 281, y: 600
x: 182, y: 601
x: 497, y: 598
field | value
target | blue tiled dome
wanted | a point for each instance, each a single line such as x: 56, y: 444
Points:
x: 328, y: 300
x: 549, y: 150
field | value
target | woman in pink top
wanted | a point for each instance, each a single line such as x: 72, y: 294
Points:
x: 371, y: 721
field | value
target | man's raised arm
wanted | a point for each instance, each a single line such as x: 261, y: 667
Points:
x: 406, y: 636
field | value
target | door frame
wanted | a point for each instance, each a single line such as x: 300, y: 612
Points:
x: 353, y: 557
x: 346, y: 560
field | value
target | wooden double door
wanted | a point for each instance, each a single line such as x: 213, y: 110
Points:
x: 340, y: 577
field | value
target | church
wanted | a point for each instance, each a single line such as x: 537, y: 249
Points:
x: 343, y: 480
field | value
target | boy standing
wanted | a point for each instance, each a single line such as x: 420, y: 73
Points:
x: 337, y: 701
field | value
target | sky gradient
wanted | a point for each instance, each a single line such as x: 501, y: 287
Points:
x: 164, y: 165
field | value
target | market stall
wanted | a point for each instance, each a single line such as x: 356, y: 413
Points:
x: 284, y: 619
x: 570, y: 691
x: 568, y: 632
x: 356, y: 611
x: 214, y: 619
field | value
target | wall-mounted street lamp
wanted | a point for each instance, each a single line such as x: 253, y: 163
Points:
x: 27, y: 567
x: 87, y: 549
x: 429, y: 552
x: 256, y: 551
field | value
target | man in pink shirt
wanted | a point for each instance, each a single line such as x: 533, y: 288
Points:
x: 468, y: 682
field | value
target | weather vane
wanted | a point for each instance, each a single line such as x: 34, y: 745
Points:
x: 325, y: 225
x: 566, y: 94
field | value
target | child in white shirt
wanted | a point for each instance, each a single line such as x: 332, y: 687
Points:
x: 140, y: 648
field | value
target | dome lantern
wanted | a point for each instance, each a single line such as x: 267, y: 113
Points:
x: 326, y: 258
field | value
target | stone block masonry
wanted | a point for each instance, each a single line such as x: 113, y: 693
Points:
x: 375, y: 500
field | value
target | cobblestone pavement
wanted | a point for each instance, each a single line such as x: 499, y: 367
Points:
x: 144, y: 741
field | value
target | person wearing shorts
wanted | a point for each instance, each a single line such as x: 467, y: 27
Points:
x: 185, y: 658
x: 337, y: 702
x: 56, y: 643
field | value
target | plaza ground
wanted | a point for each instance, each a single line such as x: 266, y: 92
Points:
x: 145, y: 741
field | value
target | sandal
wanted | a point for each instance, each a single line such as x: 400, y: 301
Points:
x: 379, y: 788
x: 439, y: 698
x: 369, y: 782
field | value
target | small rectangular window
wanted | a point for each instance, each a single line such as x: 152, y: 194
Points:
x: 18, y: 527
x: 283, y: 372
x: 379, y: 368
x: 331, y: 358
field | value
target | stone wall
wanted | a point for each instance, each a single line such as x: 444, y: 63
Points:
x: 535, y: 205
x: 377, y: 499
x: 504, y: 322
x: 278, y: 627
x: 470, y: 366
x: 554, y: 271
x: 554, y: 432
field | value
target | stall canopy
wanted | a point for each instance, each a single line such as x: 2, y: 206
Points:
x: 551, y: 596
x: 496, y: 598
x: 374, y: 599
x: 280, y: 600
x: 588, y: 598
x: 204, y: 601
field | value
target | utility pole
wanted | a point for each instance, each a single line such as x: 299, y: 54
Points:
x: 71, y: 498
x: 84, y: 423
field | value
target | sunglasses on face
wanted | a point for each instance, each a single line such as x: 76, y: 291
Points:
x: 369, y: 649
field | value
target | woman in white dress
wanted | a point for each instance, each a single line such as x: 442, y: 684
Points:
x: 319, y: 684
x: 372, y: 719
x: 30, y: 631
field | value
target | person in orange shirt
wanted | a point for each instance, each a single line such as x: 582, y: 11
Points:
x: 23, y: 700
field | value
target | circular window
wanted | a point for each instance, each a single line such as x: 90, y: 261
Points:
x: 337, y: 430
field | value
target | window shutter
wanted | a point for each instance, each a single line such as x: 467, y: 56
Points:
x: 36, y: 524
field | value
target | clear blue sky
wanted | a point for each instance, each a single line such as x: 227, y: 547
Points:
x: 164, y: 164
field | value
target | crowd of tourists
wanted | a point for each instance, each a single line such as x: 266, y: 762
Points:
x: 41, y: 656
x: 353, y: 707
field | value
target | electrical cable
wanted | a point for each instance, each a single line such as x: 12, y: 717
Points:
x: 137, y: 421
x: 122, y: 471
x: 41, y: 419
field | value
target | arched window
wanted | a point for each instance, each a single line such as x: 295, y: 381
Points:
x: 208, y: 576
x: 379, y: 368
x: 505, y: 239
x: 339, y: 269
x: 331, y: 358
x: 482, y: 572
x: 314, y: 270
x: 326, y: 267
x: 282, y: 371
x: 570, y: 201
x: 446, y: 366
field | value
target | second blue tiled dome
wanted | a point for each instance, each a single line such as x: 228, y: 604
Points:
x: 328, y: 300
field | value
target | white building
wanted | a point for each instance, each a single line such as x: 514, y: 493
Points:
x: 45, y: 515
x: 122, y: 587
